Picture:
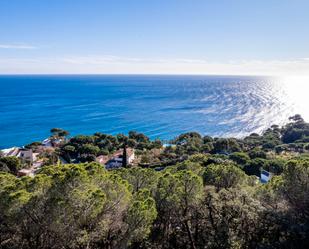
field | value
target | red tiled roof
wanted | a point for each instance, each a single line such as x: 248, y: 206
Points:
x: 104, y: 159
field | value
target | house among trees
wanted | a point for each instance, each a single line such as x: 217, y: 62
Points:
x: 53, y: 142
x: 28, y: 160
x: 10, y: 151
x: 47, y: 142
x: 116, y: 160
x: 25, y: 155
x: 265, y: 176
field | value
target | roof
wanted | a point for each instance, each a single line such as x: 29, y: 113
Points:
x: 10, y: 151
x: 25, y: 172
x: 130, y: 152
x: 25, y: 153
x: 265, y: 176
x: 102, y: 159
x: 46, y: 142
x: 117, y: 154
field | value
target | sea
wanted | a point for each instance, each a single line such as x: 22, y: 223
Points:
x: 161, y: 106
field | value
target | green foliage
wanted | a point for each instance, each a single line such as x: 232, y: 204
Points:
x: 240, y: 158
x: 199, y: 158
x: 295, y: 184
x: 139, y: 178
x: 89, y: 149
x: 190, y: 143
x: 295, y: 130
x: 206, y: 195
x: 69, y: 149
x: 255, y: 166
x: 145, y: 159
x: 141, y: 214
x: 83, y: 148
x: 257, y: 153
x: 73, y: 206
x: 10, y: 164
x: 224, y: 176
x: 226, y: 145
x: 275, y: 166
x: 83, y: 205
x: 189, y: 165
x: 58, y: 132
x: 33, y: 145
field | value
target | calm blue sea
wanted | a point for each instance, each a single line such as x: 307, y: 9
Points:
x: 160, y: 106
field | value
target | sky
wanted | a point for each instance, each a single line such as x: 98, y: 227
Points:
x: 229, y: 37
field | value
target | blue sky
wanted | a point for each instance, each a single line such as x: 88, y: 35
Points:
x: 154, y: 36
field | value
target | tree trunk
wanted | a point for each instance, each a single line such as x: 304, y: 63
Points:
x: 124, y: 156
x: 186, y: 223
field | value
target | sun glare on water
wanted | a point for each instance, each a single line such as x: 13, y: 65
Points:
x: 296, y: 89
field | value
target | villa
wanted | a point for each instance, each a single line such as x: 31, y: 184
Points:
x: 28, y: 158
x: 26, y: 155
x: 115, y: 161
x: 10, y: 151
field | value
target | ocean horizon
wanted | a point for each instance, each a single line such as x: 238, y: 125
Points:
x: 161, y: 106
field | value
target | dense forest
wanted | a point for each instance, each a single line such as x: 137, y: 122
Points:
x: 194, y: 192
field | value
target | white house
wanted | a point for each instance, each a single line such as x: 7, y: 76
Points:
x: 115, y: 161
x: 47, y: 142
x: 26, y: 156
x: 265, y: 176
x: 10, y: 151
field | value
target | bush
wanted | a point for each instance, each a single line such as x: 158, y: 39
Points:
x: 240, y: 158
x: 223, y: 176
x: 254, y: 166
x: 10, y: 163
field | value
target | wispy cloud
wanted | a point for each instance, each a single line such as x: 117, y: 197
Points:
x: 111, y: 64
x: 103, y: 59
x: 100, y: 60
x: 17, y: 46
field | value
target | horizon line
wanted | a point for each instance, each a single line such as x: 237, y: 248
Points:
x: 134, y: 74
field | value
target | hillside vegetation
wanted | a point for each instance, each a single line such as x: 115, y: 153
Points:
x: 197, y: 192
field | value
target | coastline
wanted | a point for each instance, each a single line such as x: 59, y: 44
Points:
x: 159, y: 106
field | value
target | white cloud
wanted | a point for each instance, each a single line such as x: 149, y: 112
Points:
x: 97, y: 60
x: 16, y: 46
x: 101, y: 60
x: 110, y: 64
